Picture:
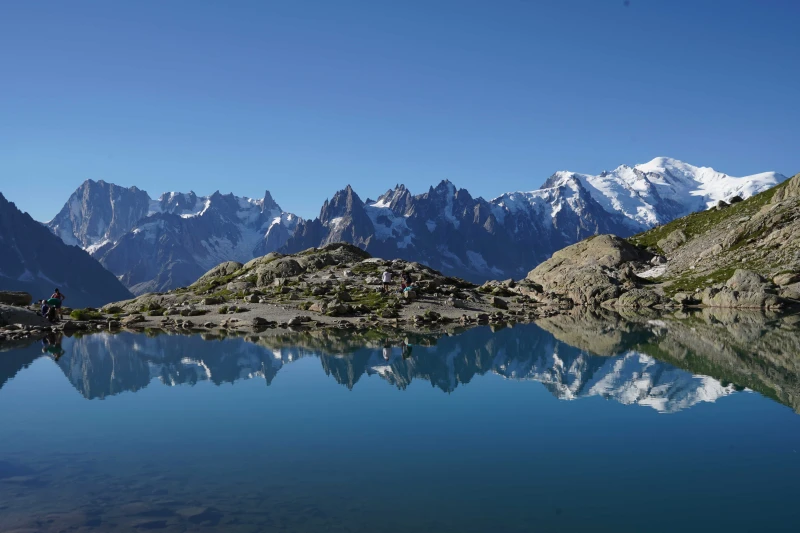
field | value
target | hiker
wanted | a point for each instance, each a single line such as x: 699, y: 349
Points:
x: 387, y: 280
x: 407, y: 281
x: 47, y: 311
x: 56, y: 300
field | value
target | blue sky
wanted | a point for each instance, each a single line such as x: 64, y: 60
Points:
x: 304, y: 97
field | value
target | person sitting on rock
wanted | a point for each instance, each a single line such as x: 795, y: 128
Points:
x: 56, y: 300
x: 387, y: 280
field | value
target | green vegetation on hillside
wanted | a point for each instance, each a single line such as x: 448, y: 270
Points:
x: 697, y: 223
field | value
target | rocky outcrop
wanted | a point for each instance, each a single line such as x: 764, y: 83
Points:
x: 15, y: 298
x: 591, y: 271
x: 10, y: 314
x: 745, y: 289
x: 744, y: 255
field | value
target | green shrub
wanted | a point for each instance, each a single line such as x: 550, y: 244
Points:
x: 223, y: 310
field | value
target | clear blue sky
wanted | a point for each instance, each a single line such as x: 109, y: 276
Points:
x: 304, y: 97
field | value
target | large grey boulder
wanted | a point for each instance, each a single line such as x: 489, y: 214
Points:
x: 672, y: 242
x: 20, y: 315
x: 639, y: 298
x: 745, y: 289
x: 15, y: 298
x: 590, y: 271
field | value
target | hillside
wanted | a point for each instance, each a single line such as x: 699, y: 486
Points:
x: 36, y: 261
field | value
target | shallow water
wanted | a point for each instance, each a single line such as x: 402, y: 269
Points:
x: 588, y: 422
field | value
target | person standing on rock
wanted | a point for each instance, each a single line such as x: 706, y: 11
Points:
x: 56, y: 300
x: 387, y: 280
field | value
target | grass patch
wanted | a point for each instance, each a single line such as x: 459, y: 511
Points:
x: 700, y: 222
x: 85, y: 314
x: 691, y: 284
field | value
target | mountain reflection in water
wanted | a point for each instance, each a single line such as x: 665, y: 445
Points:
x: 666, y: 362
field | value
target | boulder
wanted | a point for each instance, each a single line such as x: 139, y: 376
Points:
x: 410, y: 295
x: 20, y: 315
x: 132, y: 319
x: 747, y: 281
x: 499, y: 303
x: 15, y: 298
x: 589, y: 271
x: 236, y: 286
x: 787, y: 278
x: 791, y: 291
x: 672, y: 242
x: 684, y: 298
x: 211, y: 300
x: 658, y: 260
x: 727, y: 297
x: 259, y: 321
x: 638, y: 298
x: 251, y: 298
x: 221, y: 270
x: 318, y: 307
x: 344, y: 296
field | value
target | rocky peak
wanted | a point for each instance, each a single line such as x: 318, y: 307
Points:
x: 344, y: 202
x: 269, y: 204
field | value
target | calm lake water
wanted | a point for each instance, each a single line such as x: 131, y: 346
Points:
x: 576, y: 423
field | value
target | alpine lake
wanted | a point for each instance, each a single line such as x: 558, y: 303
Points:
x: 587, y: 421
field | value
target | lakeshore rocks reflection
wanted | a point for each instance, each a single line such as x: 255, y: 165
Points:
x: 666, y: 362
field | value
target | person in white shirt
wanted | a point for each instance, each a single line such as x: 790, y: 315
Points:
x: 387, y: 280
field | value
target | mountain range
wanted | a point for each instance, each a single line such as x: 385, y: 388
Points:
x: 158, y: 245
x: 36, y: 261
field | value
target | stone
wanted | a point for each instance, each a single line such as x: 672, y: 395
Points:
x: 589, y: 271
x: 746, y: 281
x: 211, y: 300
x: 787, y: 278
x: 344, y: 296
x: 658, y: 260
x: 10, y: 314
x: 672, y: 242
x: 684, y: 298
x: 295, y: 322
x: 410, y: 295
x: 15, y: 298
x: 638, y: 298
x: 319, y: 290
x: 221, y: 270
x: 132, y: 319
x: 259, y: 321
x: 318, y: 307
x: 251, y: 298
x: 499, y: 303
x: 237, y: 286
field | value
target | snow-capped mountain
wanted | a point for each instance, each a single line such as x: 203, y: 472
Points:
x: 156, y: 245
x: 36, y: 261
x: 477, y: 239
